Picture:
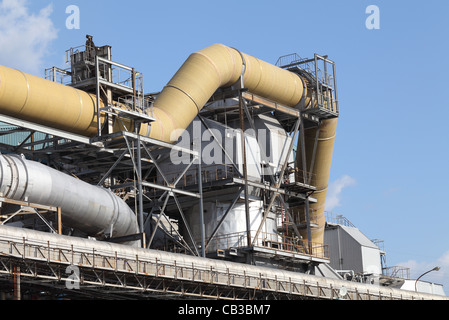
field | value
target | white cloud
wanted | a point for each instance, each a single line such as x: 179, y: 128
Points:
x: 335, y: 190
x: 439, y: 277
x: 25, y: 36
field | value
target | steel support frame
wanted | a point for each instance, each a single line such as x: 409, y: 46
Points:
x: 244, y: 111
x: 245, y: 168
x: 61, y: 134
x: 326, y: 78
x: 243, y: 96
x: 298, y: 126
x: 140, y: 143
x: 136, y: 143
x: 183, y: 244
x: 278, y: 184
x: 170, y: 190
x: 35, y: 208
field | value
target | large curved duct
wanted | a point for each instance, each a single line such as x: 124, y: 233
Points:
x: 215, y: 67
x: 91, y: 209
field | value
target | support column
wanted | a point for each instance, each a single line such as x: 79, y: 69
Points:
x: 59, y: 221
x: 139, y: 185
x: 245, y: 170
x: 200, y: 190
x: 307, y: 204
x: 17, y: 294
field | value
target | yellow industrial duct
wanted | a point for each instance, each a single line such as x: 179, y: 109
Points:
x: 206, y: 71
x: 31, y: 98
x: 320, y: 176
x: 37, y: 100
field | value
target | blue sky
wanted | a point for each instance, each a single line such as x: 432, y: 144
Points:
x: 390, y: 169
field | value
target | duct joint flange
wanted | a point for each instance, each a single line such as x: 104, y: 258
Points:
x: 242, y: 75
x: 302, y: 103
x: 186, y: 93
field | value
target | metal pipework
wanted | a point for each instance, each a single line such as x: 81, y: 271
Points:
x: 37, y: 100
x: 91, y: 209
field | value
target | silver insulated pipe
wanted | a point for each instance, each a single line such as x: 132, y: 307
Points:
x: 94, y: 210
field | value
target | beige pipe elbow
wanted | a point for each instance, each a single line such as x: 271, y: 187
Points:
x: 204, y: 72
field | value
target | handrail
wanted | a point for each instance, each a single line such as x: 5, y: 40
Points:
x: 272, y: 241
x: 100, y: 268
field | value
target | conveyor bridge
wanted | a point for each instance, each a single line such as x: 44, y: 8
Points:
x: 114, y: 271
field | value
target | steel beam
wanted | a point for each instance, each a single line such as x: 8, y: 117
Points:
x: 44, y: 129
x: 171, y: 189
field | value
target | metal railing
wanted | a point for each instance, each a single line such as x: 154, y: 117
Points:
x: 270, y: 241
x: 79, y: 54
x: 379, y: 243
x: 299, y: 219
x: 397, y: 272
x: 320, y: 72
x: 338, y: 219
x: 135, y: 266
x: 217, y: 172
x: 288, y: 60
x: 212, y: 173
x: 102, y: 270
x: 58, y: 75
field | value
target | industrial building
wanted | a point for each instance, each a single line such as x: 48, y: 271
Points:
x: 213, y: 188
